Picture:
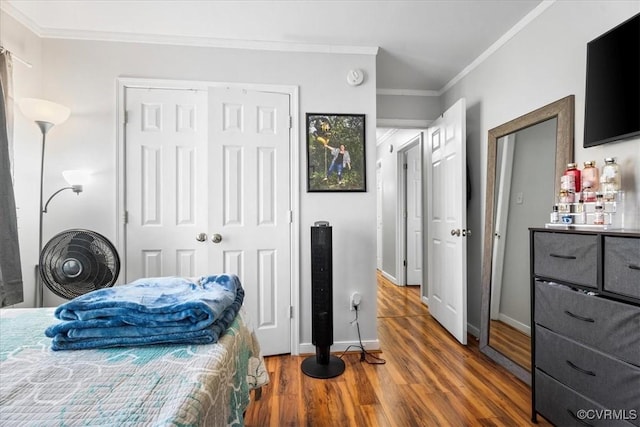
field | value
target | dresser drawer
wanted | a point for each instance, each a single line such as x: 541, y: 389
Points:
x: 561, y: 405
x: 610, y: 382
x: 622, y: 265
x: 566, y: 257
x: 609, y: 326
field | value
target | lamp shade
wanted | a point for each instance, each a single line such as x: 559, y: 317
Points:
x: 77, y: 177
x: 41, y: 110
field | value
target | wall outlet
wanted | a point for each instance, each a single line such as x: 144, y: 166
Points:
x: 354, y: 301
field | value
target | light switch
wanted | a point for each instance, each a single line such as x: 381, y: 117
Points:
x: 519, y: 198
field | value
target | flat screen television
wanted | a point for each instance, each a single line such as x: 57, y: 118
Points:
x: 612, y: 102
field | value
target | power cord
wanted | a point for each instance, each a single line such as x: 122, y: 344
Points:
x: 363, y: 352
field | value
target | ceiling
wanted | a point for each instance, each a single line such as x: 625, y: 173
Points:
x: 421, y: 45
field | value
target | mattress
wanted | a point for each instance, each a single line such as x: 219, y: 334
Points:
x: 181, y: 385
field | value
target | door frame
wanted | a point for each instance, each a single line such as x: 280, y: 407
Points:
x: 401, y: 206
x: 292, y: 91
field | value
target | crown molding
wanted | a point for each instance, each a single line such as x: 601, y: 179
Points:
x: 537, y: 11
x: 49, y: 33
x: 23, y: 19
x: 407, y: 92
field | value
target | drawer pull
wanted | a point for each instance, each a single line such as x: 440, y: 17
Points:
x: 562, y: 256
x: 575, y: 316
x: 578, y: 419
x: 579, y: 369
x: 634, y: 267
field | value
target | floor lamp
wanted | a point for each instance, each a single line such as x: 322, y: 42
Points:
x: 45, y: 114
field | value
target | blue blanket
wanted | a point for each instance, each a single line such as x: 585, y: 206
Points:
x: 165, y: 310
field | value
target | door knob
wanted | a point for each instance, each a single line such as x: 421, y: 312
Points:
x: 455, y: 232
x: 216, y: 238
x: 201, y: 237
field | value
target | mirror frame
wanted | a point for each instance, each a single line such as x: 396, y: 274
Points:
x: 564, y: 110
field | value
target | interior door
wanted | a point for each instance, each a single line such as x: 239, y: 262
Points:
x: 249, y: 163
x: 166, y: 199
x: 447, y: 221
x: 413, y: 177
x: 207, y: 192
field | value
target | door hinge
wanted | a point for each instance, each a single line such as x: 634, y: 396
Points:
x: 126, y: 117
x: 290, y: 216
x: 405, y: 166
x: 290, y: 122
x: 125, y: 217
x: 404, y: 263
x: 290, y: 312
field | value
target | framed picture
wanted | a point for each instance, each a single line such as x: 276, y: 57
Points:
x: 336, y: 152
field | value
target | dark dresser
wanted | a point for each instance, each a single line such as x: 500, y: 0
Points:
x: 585, y: 293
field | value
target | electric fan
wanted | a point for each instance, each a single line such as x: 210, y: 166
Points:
x: 75, y: 262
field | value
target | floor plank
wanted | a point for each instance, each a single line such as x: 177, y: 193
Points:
x: 429, y: 379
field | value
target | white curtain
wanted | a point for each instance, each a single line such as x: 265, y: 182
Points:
x: 11, y: 289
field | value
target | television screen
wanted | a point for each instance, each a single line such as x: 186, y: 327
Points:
x: 612, y: 103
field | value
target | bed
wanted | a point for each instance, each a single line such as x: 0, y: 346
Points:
x: 161, y: 385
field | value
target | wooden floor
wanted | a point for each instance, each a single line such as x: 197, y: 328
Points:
x: 428, y: 380
x: 510, y: 342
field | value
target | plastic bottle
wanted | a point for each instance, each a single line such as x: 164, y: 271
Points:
x: 590, y: 175
x: 588, y: 193
x: 610, y: 180
x: 598, y: 218
x: 572, y: 169
x: 555, y: 215
x: 581, y: 218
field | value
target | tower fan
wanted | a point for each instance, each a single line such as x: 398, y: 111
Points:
x: 75, y: 262
x: 323, y: 364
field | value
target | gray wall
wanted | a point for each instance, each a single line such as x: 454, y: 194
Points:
x: 82, y: 75
x: 544, y: 62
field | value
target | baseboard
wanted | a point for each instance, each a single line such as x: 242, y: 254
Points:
x: 515, y: 324
x: 389, y: 277
x: 473, y: 330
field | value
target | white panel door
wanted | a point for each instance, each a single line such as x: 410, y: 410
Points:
x: 166, y: 201
x: 413, y: 160
x: 249, y: 162
x: 201, y: 163
x: 447, y: 221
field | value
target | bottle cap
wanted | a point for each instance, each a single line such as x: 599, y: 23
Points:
x: 555, y: 208
x: 589, y: 164
x: 572, y: 165
x: 610, y: 160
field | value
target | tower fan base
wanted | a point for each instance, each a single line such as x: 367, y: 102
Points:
x: 312, y: 368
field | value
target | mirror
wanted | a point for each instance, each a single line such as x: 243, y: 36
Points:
x: 525, y: 159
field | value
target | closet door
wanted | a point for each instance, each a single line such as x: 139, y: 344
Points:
x: 166, y: 187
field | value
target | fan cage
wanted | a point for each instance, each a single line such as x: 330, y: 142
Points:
x: 78, y: 261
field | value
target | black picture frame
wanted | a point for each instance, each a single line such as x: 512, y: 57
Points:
x: 331, y: 137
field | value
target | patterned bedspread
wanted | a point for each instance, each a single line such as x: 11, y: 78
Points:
x: 181, y: 385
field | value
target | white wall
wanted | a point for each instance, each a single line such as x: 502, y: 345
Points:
x: 82, y: 75
x: 546, y: 61
x: 408, y: 107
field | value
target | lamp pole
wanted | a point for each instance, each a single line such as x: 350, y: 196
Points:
x: 44, y: 128
x: 45, y: 114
